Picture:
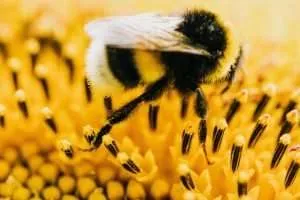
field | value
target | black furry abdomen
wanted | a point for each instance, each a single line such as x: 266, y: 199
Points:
x: 122, y: 65
x: 187, y: 70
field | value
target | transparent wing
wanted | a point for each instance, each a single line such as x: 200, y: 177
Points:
x: 148, y: 31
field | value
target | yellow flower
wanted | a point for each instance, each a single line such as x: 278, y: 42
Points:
x: 48, y: 114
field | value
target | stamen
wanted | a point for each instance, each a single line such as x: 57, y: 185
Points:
x: 70, y: 54
x: 184, y: 107
x: 89, y: 133
x: 236, y: 104
x: 202, y: 134
x: 258, y: 130
x: 41, y: 72
x: 280, y: 149
x: 186, y: 139
x: 218, y: 134
x: 292, y: 171
x: 152, y: 116
x: 3, y: 49
x: 236, y: 152
x: 291, y: 105
x: 33, y: 48
x: 48, y: 115
x: 111, y: 145
x: 2, y: 115
x: 56, y: 46
x: 88, y: 92
x: 108, y: 105
x: 127, y: 163
x: 269, y: 91
x: 186, y: 177
x: 15, y: 66
x: 71, y: 67
x: 243, y: 184
x: 21, y: 98
x: 66, y: 147
x: 291, y: 119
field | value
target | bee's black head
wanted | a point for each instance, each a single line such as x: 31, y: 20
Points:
x: 202, y: 28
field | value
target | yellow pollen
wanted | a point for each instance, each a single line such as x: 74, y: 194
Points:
x: 285, y: 139
x: 47, y: 112
x: 20, y: 95
x: 296, y: 95
x: 239, y: 140
x: 14, y: 64
x: 2, y: 109
x: 88, y: 130
x: 41, y: 71
x: 107, y: 139
x: 222, y: 124
x: 122, y: 157
x: 189, y: 195
x: 244, y: 177
x: 293, y: 116
x: 32, y: 46
x: 270, y: 89
x: 265, y: 119
x: 297, y: 157
x: 70, y: 50
x: 183, y: 169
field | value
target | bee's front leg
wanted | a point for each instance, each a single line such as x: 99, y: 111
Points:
x: 151, y: 93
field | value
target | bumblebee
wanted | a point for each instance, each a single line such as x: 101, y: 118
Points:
x: 160, y: 52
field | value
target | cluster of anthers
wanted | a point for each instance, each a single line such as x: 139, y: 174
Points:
x: 245, y: 149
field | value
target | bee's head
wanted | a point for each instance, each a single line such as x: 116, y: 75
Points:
x: 203, y: 29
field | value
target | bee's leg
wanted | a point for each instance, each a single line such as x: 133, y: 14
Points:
x: 200, y: 104
x: 117, y: 116
x: 201, y: 110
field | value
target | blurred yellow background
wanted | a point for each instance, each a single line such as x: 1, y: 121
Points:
x: 267, y: 20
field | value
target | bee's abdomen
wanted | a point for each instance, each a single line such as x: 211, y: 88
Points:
x: 122, y: 65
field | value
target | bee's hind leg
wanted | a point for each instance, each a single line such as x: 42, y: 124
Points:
x: 151, y: 93
x: 201, y: 111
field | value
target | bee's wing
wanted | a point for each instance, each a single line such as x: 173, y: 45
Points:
x: 149, y: 31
